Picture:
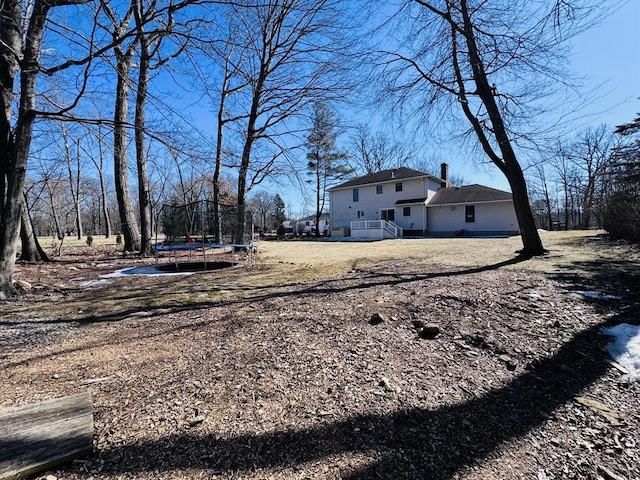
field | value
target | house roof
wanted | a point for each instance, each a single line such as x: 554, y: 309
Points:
x: 323, y: 216
x: 469, y: 194
x: 411, y: 200
x: 390, y: 175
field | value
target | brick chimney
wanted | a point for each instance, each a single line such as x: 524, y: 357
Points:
x: 444, y: 175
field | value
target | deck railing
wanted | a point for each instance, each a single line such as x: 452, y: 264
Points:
x: 377, y: 228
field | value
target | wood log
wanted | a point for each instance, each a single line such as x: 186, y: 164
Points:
x: 42, y: 435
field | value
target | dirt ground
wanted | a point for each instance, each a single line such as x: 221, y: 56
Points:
x: 383, y: 366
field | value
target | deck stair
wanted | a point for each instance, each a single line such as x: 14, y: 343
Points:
x: 375, y: 229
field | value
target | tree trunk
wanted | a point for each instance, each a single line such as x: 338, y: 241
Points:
x: 31, y: 250
x: 532, y: 244
x: 105, y: 203
x: 144, y: 194
x: 10, y: 34
x: 587, y: 203
x: 246, y: 158
x: 54, y: 212
x: 74, y: 187
x: 319, y: 169
x: 217, y: 217
x: 15, y: 148
x: 128, y: 221
x: 566, y: 206
x: 528, y: 230
x: 547, y: 202
x: 103, y: 188
x: 242, y: 186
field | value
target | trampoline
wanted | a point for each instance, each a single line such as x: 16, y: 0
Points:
x: 205, y: 232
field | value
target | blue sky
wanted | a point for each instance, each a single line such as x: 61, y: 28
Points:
x: 605, y: 57
x: 608, y: 55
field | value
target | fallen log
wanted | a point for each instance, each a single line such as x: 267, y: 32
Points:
x: 42, y: 435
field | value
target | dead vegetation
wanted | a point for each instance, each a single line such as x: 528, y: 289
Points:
x: 308, y: 361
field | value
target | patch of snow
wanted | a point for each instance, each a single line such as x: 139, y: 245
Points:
x: 143, y: 270
x: 94, y: 283
x: 625, y: 348
x: 597, y: 296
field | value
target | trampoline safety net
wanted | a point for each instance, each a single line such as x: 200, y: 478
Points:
x: 202, y: 222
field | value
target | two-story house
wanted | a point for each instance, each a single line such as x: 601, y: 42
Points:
x: 307, y: 225
x: 405, y: 202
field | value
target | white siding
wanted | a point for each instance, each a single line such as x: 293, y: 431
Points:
x: 415, y: 221
x: 489, y: 217
x: 432, y: 187
x: 344, y: 210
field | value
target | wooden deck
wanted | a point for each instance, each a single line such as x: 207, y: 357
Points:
x: 39, y: 436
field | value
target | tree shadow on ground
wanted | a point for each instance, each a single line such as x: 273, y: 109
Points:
x: 614, y: 283
x: 139, y: 309
x: 415, y: 443
x: 362, y: 280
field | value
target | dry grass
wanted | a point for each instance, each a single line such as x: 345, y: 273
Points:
x: 66, y: 292
x: 570, y: 251
x: 335, y: 257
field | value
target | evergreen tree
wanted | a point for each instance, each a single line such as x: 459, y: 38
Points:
x: 621, y: 206
x: 279, y: 213
x: 326, y: 164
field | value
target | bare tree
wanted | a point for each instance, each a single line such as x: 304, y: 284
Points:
x: 19, y: 53
x: 262, y: 205
x: 542, y: 189
x: 591, y: 158
x: 566, y: 179
x: 223, y: 59
x: 97, y: 158
x: 374, y: 152
x: 191, y: 179
x: 488, y: 58
x: 23, y: 56
x: 74, y: 171
x: 123, y: 57
x: 289, y: 62
x: 152, y: 27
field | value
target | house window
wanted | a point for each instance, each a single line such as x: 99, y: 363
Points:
x: 356, y: 194
x: 406, y: 211
x: 378, y: 189
x: 360, y: 213
x: 398, y: 186
x: 470, y: 213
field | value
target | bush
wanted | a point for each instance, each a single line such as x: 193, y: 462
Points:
x: 621, y: 216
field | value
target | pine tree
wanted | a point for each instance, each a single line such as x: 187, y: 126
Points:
x: 279, y: 205
x: 621, y: 206
x: 326, y: 164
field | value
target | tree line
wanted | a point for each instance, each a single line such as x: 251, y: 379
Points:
x: 90, y: 85
x: 580, y: 179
